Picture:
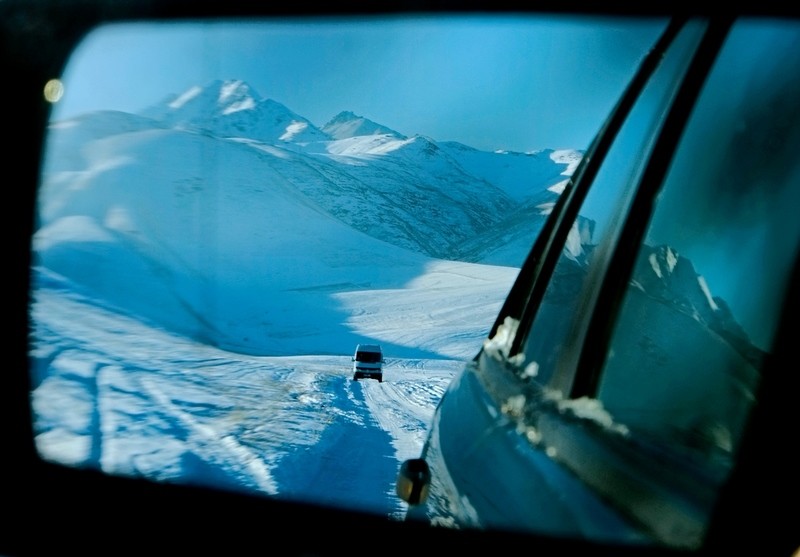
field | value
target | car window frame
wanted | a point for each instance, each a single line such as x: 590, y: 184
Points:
x: 634, y: 141
x: 527, y: 292
x: 589, y: 357
x: 592, y: 451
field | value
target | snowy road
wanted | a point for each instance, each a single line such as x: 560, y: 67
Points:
x: 114, y: 393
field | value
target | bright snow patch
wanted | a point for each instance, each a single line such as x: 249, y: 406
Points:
x: 500, y: 343
x: 707, y: 291
x: 292, y: 130
x: 186, y: 97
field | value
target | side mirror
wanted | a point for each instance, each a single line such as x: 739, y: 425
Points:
x: 413, y: 481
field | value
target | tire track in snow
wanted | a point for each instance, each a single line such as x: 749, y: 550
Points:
x: 252, y: 469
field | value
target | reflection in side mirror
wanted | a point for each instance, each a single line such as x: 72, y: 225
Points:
x: 413, y: 481
x: 222, y: 226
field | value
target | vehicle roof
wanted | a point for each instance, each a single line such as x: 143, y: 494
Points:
x: 369, y: 347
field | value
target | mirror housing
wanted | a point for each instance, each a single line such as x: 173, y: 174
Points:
x: 413, y: 481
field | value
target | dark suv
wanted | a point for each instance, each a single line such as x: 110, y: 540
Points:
x: 615, y: 394
x: 368, y: 362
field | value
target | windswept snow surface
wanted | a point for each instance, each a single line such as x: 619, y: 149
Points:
x: 136, y: 400
x: 116, y: 393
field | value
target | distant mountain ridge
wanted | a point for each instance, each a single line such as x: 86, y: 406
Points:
x: 233, y: 109
x: 347, y: 124
x: 438, y: 199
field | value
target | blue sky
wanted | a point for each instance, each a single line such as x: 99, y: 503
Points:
x: 514, y: 83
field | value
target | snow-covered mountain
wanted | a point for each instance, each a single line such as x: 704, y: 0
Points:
x: 261, y: 192
x: 447, y: 201
x: 665, y: 275
x: 233, y: 109
x: 213, y: 214
x: 346, y: 124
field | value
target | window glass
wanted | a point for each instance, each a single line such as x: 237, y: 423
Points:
x: 228, y: 208
x: 600, y: 217
x: 706, y: 292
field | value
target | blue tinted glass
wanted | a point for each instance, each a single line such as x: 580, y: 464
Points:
x: 595, y: 230
x: 706, y: 293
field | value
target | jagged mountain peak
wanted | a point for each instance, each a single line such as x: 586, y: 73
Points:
x: 662, y: 273
x: 232, y: 108
x: 661, y: 269
x: 347, y: 124
x: 237, y: 93
x: 217, y: 97
x: 663, y: 259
